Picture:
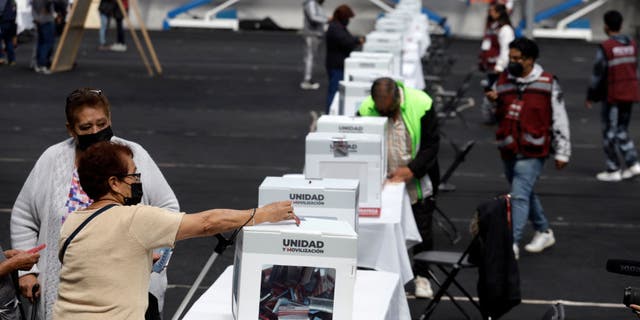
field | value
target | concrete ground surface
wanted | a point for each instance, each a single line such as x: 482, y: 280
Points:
x: 228, y: 111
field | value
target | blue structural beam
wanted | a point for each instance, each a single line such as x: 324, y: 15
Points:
x: 549, y: 13
x: 224, y: 14
x: 182, y: 9
x: 442, y: 21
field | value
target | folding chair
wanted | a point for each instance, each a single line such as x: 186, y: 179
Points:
x: 450, y: 263
x: 450, y: 104
x: 460, y: 157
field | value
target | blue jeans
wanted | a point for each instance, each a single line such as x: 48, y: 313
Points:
x: 615, y: 135
x: 7, y: 32
x: 104, y: 25
x: 335, y: 76
x: 522, y: 174
x: 45, y: 43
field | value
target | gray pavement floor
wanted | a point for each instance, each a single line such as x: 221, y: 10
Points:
x: 228, y: 111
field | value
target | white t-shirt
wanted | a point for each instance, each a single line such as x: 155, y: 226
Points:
x: 106, y: 268
x: 505, y: 36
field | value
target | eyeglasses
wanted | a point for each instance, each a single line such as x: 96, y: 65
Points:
x: 81, y: 93
x: 136, y: 176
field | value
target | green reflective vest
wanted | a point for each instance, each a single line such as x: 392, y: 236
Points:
x: 416, y: 103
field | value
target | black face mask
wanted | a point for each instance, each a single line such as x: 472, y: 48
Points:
x: 515, y: 69
x: 136, y: 194
x: 86, y: 140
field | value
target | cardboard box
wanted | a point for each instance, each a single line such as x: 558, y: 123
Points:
x: 335, y: 199
x: 282, y: 271
x: 349, y: 156
x: 345, y: 124
x: 352, y: 94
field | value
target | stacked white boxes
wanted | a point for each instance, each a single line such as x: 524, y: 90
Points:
x: 352, y: 94
x: 388, y: 24
x: 368, y: 125
x: 349, y: 156
x: 388, y: 42
x: 359, y: 63
x: 284, y: 270
x: 335, y: 199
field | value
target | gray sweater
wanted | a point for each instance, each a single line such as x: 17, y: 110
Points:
x: 315, y: 18
x: 36, y: 214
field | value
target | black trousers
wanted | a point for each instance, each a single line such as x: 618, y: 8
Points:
x: 153, y: 312
x: 423, y: 213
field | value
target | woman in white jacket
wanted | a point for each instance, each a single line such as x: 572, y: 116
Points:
x: 494, y: 53
x: 52, y: 191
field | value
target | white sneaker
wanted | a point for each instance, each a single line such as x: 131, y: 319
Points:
x: 632, y: 171
x: 43, y: 70
x: 118, y: 47
x: 607, y: 176
x: 423, y: 288
x: 308, y: 85
x: 516, y: 251
x: 541, y: 241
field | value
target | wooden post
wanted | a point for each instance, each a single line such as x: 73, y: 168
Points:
x: 145, y: 35
x: 69, y: 43
x: 134, y: 35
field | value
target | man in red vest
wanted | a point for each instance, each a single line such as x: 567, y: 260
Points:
x: 615, y: 83
x: 532, y: 124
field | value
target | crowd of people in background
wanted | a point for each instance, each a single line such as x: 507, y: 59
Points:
x: 49, y: 18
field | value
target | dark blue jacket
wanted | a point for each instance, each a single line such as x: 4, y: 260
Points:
x: 340, y: 43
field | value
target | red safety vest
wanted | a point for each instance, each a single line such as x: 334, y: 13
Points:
x: 490, y: 48
x: 622, y: 81
x: 524, y: 114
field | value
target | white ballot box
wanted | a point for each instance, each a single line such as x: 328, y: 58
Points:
x: 335, y: 199
x: 370, y: 77
x: 349, y: 156
x: 345, y: 124
x: 378, y: 64
x: 388, y: 42
x: 387, y: 24
x: 284, y: 270
x: 351, y: 96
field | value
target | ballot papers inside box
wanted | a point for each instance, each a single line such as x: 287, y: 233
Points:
x: 345, y: 124
x: 349, y: 156
x: 352, y: 94
x: 335, y: 199
x: 289, y: 272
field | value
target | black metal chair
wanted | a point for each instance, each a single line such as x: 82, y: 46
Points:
x: 450, y: 263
